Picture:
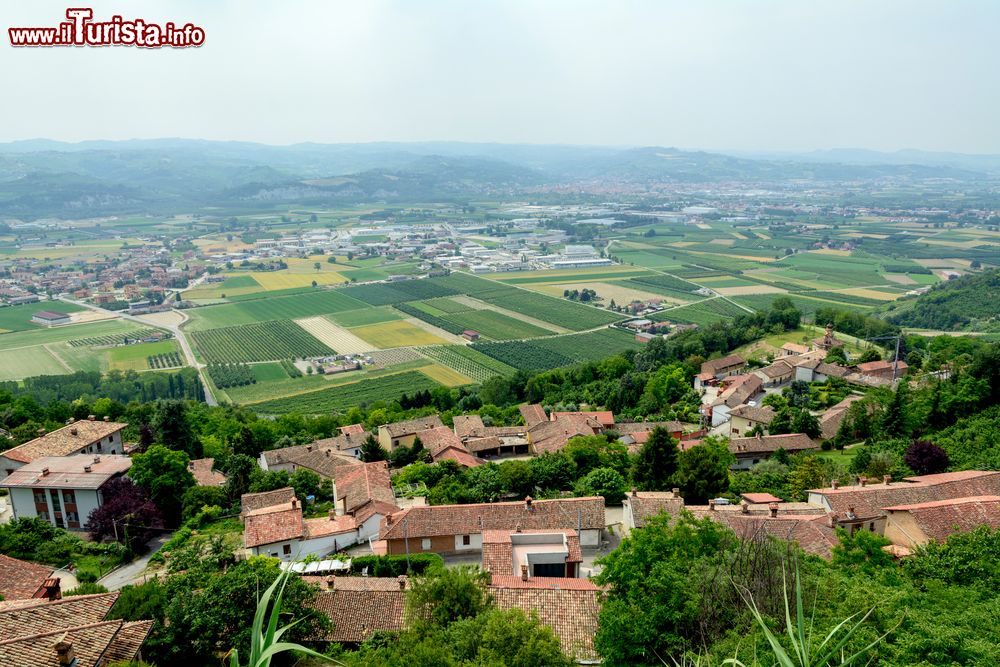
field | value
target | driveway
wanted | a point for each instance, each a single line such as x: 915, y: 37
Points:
x: 131, y: 573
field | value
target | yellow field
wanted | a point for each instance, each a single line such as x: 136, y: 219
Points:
x: 396, y: 334
x: 235, y: 245
x: 899, y: 278
x: 276, y: 280
x: 445, y: 375
x: 608, y: 291
x: 683, y: 244
x: 723, y: 241
x: 337, y: 337
x: 869, y: 293
x: 748, y: 289
x: 830, y: 251
x: 555, y: 276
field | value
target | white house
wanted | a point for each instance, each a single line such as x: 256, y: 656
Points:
x: 89, y: 436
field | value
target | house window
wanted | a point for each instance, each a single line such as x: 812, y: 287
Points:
x: 425, y: 543
x: 871, y: 526
x: 39, y: 497
x: 466, y: 540
x: 69, y: 497
x: 99, y: 448
x: 286, y: 549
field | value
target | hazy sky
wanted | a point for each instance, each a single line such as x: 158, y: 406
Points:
x: 791, y: 75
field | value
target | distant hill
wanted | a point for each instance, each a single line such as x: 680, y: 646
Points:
x: 42, y: 178
x: 966, y: 303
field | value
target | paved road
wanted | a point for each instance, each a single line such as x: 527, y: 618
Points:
x: 132, y: 573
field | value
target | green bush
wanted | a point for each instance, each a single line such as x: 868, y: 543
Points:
x: 394, y: 566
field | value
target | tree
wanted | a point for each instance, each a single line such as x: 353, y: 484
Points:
x: 307, y: 483
x: 505, y: 638
x: 836, y: 356
x: 703, y: 471
x: 657, y: 461
x: 173, y: 430
x: 893, y: 421
x: 447, y: 595
x: 606, y: 482
x: 925, y: 458
x: 127, y: 515
x: 164, y: 474
x: 553, y: 471
x: 239, y: 470
x: 197, y: 498
x: 807, y: 474
x: 372, y: 450
x: 871, y: 354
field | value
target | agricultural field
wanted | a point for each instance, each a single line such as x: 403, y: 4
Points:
x: 359, y: 318
x: 265, y: 341
x: 701, y: 313
x: 30, y: 361
x: 18, y: 318
x: 592, y: 345
x: 309, y: 304
x: 235, y: 285
x: 523, y: 355
x: 396, y: 334
x: 342, y: 397
x: 136, y: 357
x: 468, y: 361
x: 455, y: 317
x: 387, y: 294
x: 337, y: 337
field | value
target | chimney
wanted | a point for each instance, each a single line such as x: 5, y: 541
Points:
x: 41, y: 431
x: 331, y: 582
x: 524, y: 573
x: 388, y: 519
x: 745, y: 507
x: 676, y: 492
x: 309, y: 448
x: 295, y: 503
x: 64, y: 651
x: 91, y: 417
x: 711, y: 505
x: 835, y: 484
x: 773, y: 507
x: 97, y: 459
x: 887, y: 479
x: 328, y: 453
x: 88, y: 468
x: 635, y: 492
x: 74, y: 431
x: 831, y: 519
x: 527, y: 502
x: 402, y: 582
x: 862, y: 481
x: 107, y: 418
x: 333, y: 514
x: 45, y: 472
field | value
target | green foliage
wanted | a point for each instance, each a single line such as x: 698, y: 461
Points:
x: 606, y: 482
x: 86, y: 589
x: 231, y: 375
x: 703, y: 471
x: 955, y: 304
x: 165, y: 476
x: 394, y: 566
x: 657, y: 461
x: 263, y: 341
x: 445, y: 596
x: 198, y: 497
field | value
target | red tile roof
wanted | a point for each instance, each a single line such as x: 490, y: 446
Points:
x: 362, y: 484
x: 255, y: 501
x: 869, y: 500
x: 64, y: 441
x: 321, y: 527
x: 30, y: 617
x: 938, y: 519
x: 203, y: 473
x: 439, y: 520
x: 467, y: 426
x: 359, y: 610
x: 759, y: 498
x: 605, y: 418
x: 646, y: 504
x: 462, y: 456
x: 569, y: 606
x: 498, y: 550
x: 715, y: 365
x: 439, y: 438
x: 790, y: 442
x: 81, y: 471
x: 553, y: 436
x: 352, y: 429
x: 412, y: 426
x: 533, y: 414
x: 20, y: 579
x: 272, y: 524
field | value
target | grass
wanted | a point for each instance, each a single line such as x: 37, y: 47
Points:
x: 445, y: 375
x: 309, y: 304
x: 701, y: 313
x: 361, y: 393
x: 18, y: 318
x: 268, y: 372
x: 364, y: 316
x: 28, y: 362
x: 133, y: 357
x: 396, y: 334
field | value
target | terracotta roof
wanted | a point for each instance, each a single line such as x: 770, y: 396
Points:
x: 605, y: 418
x: 467, y: 426
x: 411, y: 426
x: 553, y: 436
x: 439, y: 438
x: 940, y: 518
x: 342, y: 442
x: 433, y: 520
x: 40, y: 616
x: 533, y: 414
x: 82, y: 471
x: 740, y: 390
x: 832, y: 370
x: 321, y: 527
x: 354, y: 583
x: 759, y: 414
x: 352, y: 429
x: 324, y: 460
x: 760, y: 498
x: 713, y: 366
x: 795, y: 347
x: 460, y: 455
x: 777, y: 369
x: 126, y: 644
x: 203, y: 473
x: 90, y: 642
x: 268, y: 525
x: 358, y: 613
x: 871, y: 499
x: 812, y: 534
x: 569, y: 606
x: 504, y: 431
x: 481, y: 444
x: 498, y: 550
x: 255, y: 501
x: 831, y: 420
x: 362, y: 484
x: 881, y: 366
x: 640, y: 427
x: 790, y: 442
x: 20, y: 579
x: 647, y: 504
x: 64, y: 441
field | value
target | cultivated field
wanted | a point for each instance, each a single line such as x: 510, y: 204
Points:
x: 337, y: 337
x: 265, y: 341
x: 396, y: 334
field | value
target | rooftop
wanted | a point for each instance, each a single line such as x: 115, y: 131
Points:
x: 790, y: 442
x: 82, y: 471
x: 412, y: 426
x: 368, y: 482
x: 64, y: 441
x: 204, y: 475
x: 20, y: 579
x: 569, y: 606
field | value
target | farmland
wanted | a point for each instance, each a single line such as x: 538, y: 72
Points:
x: 18, y: 318
x: 136, y: 357
x: 361, y: 393
x: 265, y: 341
x: 395, y: 334
x: 309, y: 304
x: 468, y: 361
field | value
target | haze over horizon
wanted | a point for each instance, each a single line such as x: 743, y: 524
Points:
x: 720, y: 77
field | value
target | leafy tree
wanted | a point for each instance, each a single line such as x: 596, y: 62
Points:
x: 893, y: 421
x: 871, y: 354
x: 446, y: 596
x: 595, y: 451
x: 239, y: 474
x: 657, y: 461
x: 164, y: 474
x: 127, y: 515
x: 925, y: 458
x: 703, y: 471
x: 606, y: 482
x: 861, y: 551
x: 269, y: 480
x: 836, y: 355
x: 807, y: 474
x: 372, y: 450
x: 198, y: 497
x: 505, y: 638
x: 553, y: 471
x: 173, y: 430
x: 516, y: 477
x: 307, y: 483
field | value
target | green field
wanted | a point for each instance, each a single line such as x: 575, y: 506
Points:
x: 468, y: 361
x: 28, y: 362
x: 264, y: 341
x: 362, y: 393
x: 268, y: 372
x: 364, y: 317
x: 18, y: 318
x: 310, y: 304
x: 701, y: 313
x: 134, y: 357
